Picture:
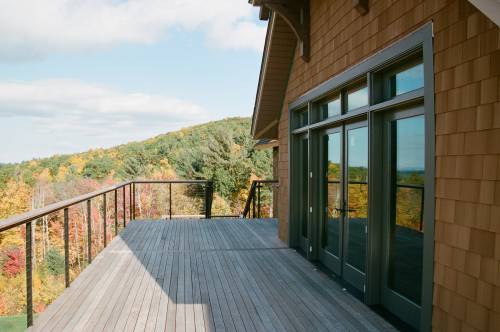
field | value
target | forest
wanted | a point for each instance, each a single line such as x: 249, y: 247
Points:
x: 222, y: 151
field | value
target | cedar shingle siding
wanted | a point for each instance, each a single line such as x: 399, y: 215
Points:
x: 467, y: 93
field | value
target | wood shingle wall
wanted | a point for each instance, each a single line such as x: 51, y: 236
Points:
x: 467, y: 97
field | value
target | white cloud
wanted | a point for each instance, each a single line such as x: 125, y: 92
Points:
x: 31, y: 29
x: 62, y: 116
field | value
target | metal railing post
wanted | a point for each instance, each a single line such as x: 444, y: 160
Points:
x: 133, y: 200
x: 258, y: 200
x: 116, y: 212
x: 253, y: 203
x: 131, y: 213
x: 208, y: 199
x: 89, y: 230
x: 124, y: 209
x: 170, y: 200
x: 29, y: 276
x: 105, y: 217
x: 66, y: 247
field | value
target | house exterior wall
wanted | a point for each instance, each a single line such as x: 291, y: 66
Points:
x: 467, y: 106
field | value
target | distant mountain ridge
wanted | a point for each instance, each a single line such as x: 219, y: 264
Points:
x: 219, y: 150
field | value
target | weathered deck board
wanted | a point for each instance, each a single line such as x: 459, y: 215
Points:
x: 192, y: 275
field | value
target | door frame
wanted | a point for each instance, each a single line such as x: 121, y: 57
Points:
x: 350, y: 273
x: 298, y: 240
x: 330, y: 260
x: 398, y: 303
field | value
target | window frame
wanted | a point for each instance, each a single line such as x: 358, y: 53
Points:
x: 406, y: 63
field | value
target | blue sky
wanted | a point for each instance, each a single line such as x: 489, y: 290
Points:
x: 70, y: 81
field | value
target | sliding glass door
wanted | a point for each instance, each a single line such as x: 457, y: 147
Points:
x: 356, y: 211
x: 404, y: 170
x: 344, y: 188
x: 332, y: 199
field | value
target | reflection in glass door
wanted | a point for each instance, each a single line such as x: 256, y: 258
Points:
x: 356, y: 203
x: 331, y: 236
x: 404, y: 229
x: 345, y: 201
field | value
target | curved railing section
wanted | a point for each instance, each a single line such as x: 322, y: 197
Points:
x: 262, y: 199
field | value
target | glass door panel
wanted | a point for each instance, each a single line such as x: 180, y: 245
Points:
x: 404, y: 224
x: 406, y: 242
x: 357, y: 196
x: 333, y: 170
x: 344, y: 190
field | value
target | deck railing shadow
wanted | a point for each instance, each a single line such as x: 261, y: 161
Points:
x: 181, y: 267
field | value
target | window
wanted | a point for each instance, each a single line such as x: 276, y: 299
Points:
x: 407, y: 80
x: 357, y: 97
x: 406, y: 222
x: 331, y: 108
x: 301, y: 118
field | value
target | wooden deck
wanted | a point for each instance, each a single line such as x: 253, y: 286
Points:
x: 218, y: 275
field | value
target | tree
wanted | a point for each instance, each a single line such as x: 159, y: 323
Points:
x: 226, y: 163
x: 14, y: 263
x: 14, y: 199
x: 98, y: 168
x: 54, y: 262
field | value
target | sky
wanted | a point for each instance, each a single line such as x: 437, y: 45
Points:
x: 76, y: 75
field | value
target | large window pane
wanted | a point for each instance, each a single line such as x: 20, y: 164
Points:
x: 357, y: 196
x: 406, y: 247
x: 357, y: 98
x: 331, y: 108
x: 407, y: 80
x: 301, y: 118
x: 331, y: 237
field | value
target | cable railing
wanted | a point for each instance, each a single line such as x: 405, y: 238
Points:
x: 261, y: 201
x: 59, y: 247
x: 172, y: 199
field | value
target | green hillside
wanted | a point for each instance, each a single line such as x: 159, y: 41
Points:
x: 221, y: 150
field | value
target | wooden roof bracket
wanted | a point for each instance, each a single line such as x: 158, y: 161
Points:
x: 361, y: 6
x: 296, y: 15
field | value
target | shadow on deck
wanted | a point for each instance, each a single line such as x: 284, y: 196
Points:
x: 192, y: 275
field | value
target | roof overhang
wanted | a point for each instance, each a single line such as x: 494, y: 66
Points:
x: 265, y: 143
x: 490, y: 8
x: 277, y: 59
x: 289, y: 26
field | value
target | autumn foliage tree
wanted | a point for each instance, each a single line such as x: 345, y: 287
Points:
x: 14, y: 262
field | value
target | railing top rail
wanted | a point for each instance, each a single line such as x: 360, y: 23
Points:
x: 172, y: 181
x: 26, y: 217
x: 265, y: 181
x: 23, y: 218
